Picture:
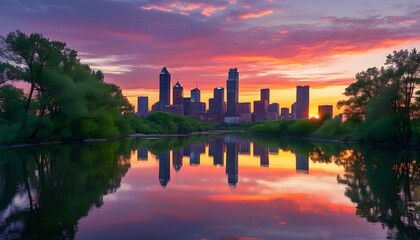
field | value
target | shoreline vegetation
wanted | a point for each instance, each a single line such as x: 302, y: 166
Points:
x: 64, y: 100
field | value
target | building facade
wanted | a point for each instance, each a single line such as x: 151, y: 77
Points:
x: 142, y: 106
x: 323, y: 110
x: 164, y: 88
x: 178, y: 92
x: 232, y: 85
x: 195, y: 95
x: 302, y: 102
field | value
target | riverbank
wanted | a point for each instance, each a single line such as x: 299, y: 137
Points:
x: 131, y: 136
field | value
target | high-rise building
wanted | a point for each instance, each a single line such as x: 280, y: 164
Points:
x: 164, y: 88
x: 302, y: 102
x: 265, y: 95
x: 232, y: 85
x: 216, y: 103
x: 142, y: 106
x: 325, y: 109
x: 195, y: 95
x: 178, y: 92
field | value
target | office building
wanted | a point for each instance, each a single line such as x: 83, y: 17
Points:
x: 164, y: 88
x: 195, y: 95
x: 284, y: 112
x: 178, y: 92
x: 187, y: 106
x: 273, y: 108
x: 244, y: 107
x: 323, y: 110
x: 232, y: 85
x: 216, y: 103
x: 302, y: 102
x: 265, y: 95
x: 142, y: 106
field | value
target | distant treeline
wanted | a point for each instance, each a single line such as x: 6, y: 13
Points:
x: 65, y: 99
x: 383, y: 105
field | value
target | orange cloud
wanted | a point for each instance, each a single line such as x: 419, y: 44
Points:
x: 256, y: 15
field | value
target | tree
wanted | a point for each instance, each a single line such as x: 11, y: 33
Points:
x: 388, y: 92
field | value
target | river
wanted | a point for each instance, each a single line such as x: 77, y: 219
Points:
x: 225, y: 187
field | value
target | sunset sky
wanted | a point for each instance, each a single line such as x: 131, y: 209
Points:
x: 275, y: 44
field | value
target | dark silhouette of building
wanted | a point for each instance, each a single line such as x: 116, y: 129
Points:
x: 260, y: 110
x: 195, y: 95
x: 273, y: 108
x: 197, y: 107
x: 164, y: 168
x: 265, y: 95
x: 232, y: 85
x: 244, y: 107
x: 156, y: 107
x: 232, y: 162
x: 216, y: 103
x: 178, y: 92
x: 324, y: 110
x: 177, y: 159
x: 142, y: 154
x: 302, y: 102
x: 164, y: 88
x: 284, y: 112
x: 302, y: 163
x: 142, y: 106
x: 174, y: 109
x: 216, y: 150
x: 293, y: 108
x: 187, y: 106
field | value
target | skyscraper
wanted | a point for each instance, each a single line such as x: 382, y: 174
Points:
x: 178, y: 92
x: 142, y: 106
x: 164, y: 88
x: 265, y: 95
x: 195, y: 95
x: 216, y: 105
x: 232, y: 85
x: 302, y: 102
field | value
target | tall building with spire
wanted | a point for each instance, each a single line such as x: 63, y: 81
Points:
x: 232, y: 85
x: 164, y: 88
x: 178, y: 92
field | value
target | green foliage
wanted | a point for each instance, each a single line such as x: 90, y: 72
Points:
x: 286, y: 127
x: 66, y: 99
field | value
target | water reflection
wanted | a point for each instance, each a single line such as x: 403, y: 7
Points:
x: 229, y: 188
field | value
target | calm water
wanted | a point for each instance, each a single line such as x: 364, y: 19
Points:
x: 209, y: 188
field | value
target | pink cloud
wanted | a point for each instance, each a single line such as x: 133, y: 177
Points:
x: 256, y: 14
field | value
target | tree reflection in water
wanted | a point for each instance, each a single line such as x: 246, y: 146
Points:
x: 56, y: 187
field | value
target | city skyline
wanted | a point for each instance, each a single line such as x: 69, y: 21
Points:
x: 275, y: 44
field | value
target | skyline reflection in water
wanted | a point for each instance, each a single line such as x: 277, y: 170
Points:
x: 226, y: 187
